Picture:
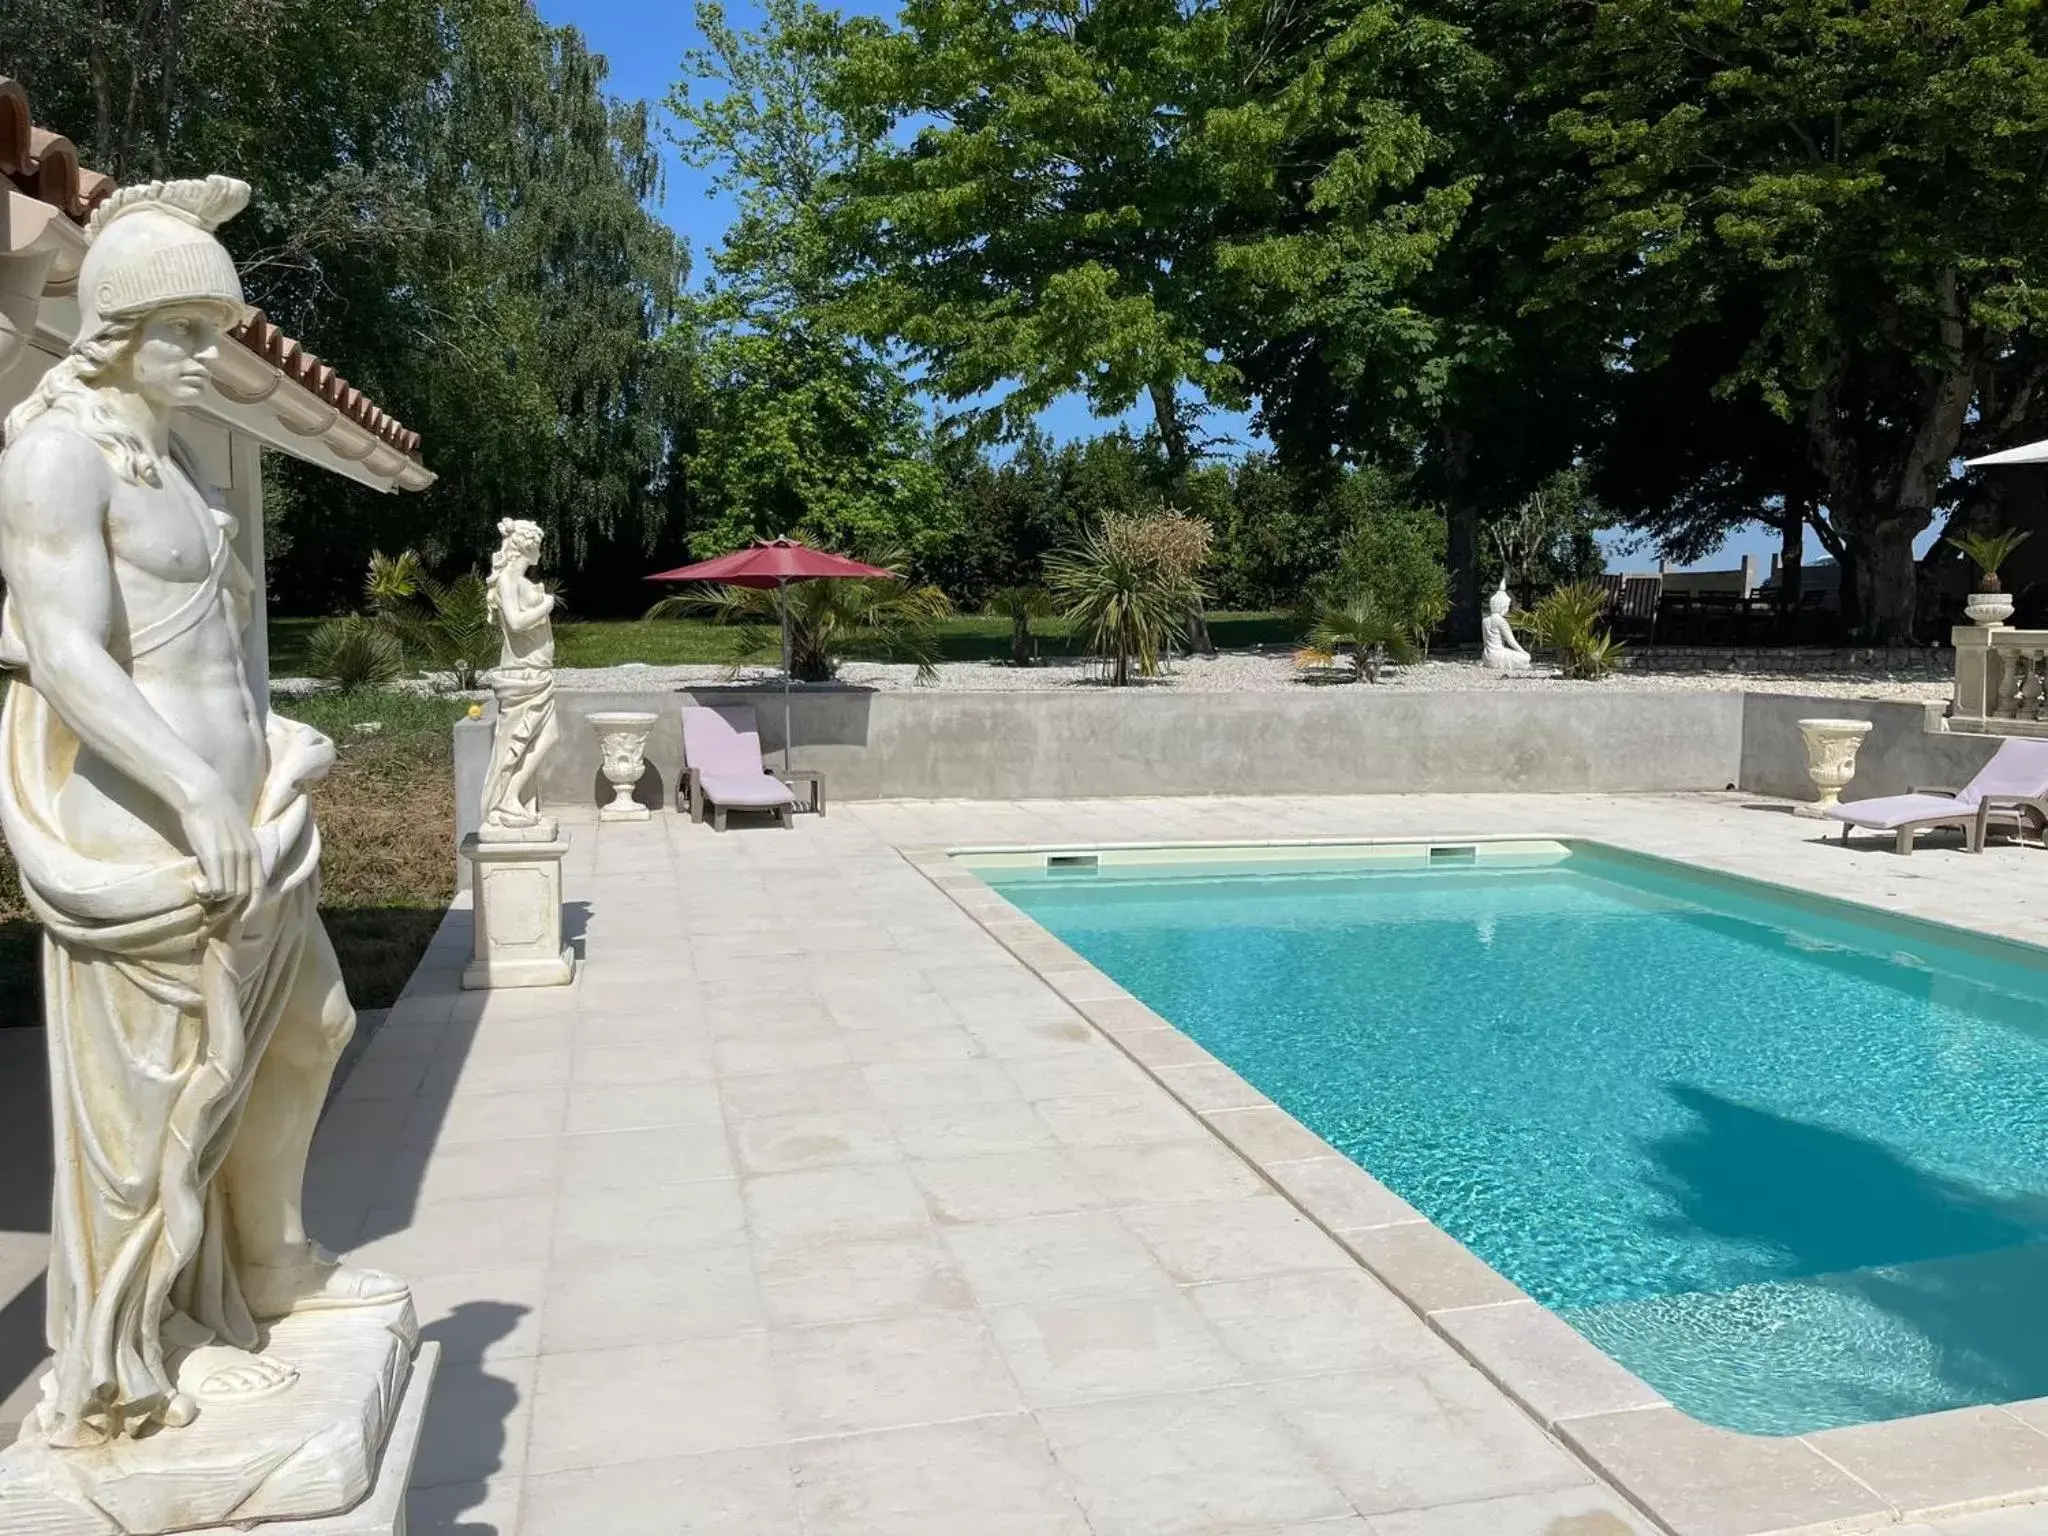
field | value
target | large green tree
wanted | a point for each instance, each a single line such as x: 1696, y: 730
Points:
x: 1143, y: 202
x: 803, y: 427
x: 1870, y: 171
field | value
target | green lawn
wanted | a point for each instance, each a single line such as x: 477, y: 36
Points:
x: 676, y: 642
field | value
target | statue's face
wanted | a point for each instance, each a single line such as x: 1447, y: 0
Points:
x: 173, y: 353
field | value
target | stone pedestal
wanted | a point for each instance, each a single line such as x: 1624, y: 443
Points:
x: 622, y: 748
x: 518, y: 915
x: 1974, y: 696
x: 328, y: 1454
x: 1830, y: 759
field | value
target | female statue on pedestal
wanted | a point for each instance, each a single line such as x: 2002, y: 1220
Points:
x: 525, y: 687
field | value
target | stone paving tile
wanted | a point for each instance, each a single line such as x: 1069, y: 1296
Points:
x: 820, y: 1090
x: 1408, y: 1438
x: 990, y: 1476
x: 937, y: 1132
x: 609, y: 1407
x: 804, y: 1281
x: 1054, y: 1258
x: 807, y: 1162
x: 1235, y: 1239
x: 482, y: 1314
x: 707, y: 1292
x: 1585, y: 1511
x: 836, y: 1204
x: 1188, y: 1463
x: 888, y: 1372
x: 1315, y: 1322
x: 1085, y: 1349
x: 719, y: 1493
x: 613, y: 1107
x: 610, y: 1225
x: 1004, y: 1185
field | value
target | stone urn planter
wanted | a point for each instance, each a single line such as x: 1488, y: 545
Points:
x: 1830, y: 759
x: 1988, y: 608
x: 622, y: 743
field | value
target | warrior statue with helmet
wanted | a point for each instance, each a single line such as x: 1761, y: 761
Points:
x: 159, y: 816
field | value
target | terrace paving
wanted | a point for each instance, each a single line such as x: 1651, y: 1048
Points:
x: 811, y: 1209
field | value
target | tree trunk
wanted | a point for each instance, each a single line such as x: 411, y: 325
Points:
x: 1461, y: 551
x: 1886, y: 581
x: 1791, y: 569
x: 1020, y: 635
x: 1462, y: 556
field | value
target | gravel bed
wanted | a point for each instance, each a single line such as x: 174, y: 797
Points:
x: 1256, y: 672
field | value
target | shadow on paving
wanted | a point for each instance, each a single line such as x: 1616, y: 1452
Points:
x: 463, y: 1442
x: 21, y: 982
x: 1951, y: 1270
x: 24, y: 1218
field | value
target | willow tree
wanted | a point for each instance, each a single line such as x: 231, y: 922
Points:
x: 449, y: 208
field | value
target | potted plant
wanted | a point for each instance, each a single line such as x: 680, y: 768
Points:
x: 1990, y: 603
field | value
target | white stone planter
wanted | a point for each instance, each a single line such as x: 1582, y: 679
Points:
x: 622, y: 745
x: 1988, y: 608
x: 1831, y: 747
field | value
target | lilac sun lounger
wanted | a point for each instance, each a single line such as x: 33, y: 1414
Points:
x: 2013, y: 787
x: 722, y: 761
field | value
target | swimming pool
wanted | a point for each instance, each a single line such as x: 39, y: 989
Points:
x: 1784, y: 1158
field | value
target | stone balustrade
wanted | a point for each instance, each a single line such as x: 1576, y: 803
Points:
x: 2001, y: 680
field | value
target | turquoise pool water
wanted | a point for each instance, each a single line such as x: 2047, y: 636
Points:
x: 1785, y: 1160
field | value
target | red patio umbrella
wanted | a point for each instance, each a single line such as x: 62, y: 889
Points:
x: 775, y: 563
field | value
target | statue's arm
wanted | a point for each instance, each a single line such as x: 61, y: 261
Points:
x: 54, y: 490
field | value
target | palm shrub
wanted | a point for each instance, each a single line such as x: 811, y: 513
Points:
x: 1124, y: 587
x: 461, y: 636
x: 444, y: 626
x: 354, y: 653
x: 1568, y: 623
x: 826, y: 620
x: 1988, y: 551
x: 1020, y: 605
x: 1373, y: 633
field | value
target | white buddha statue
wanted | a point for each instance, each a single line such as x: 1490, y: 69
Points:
x: 1499, y: 649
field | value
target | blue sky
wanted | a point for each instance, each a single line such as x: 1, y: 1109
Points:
x: 645, y: 40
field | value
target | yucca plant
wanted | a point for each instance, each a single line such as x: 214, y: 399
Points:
x: 1020, y: 605
x: 1370, y: 632
x: 1130, y: 603
x: 826, y: 620
x: 354, y: 653
x: 1988, y: 551
x: 1568, y: 623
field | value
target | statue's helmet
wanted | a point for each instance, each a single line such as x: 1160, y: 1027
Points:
x: 153, y: 246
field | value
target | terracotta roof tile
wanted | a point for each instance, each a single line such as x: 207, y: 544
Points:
x: 44, y: 166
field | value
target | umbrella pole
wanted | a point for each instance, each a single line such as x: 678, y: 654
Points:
x: 782, y: 601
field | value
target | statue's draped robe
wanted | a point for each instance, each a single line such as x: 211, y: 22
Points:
x: 159, y: 1013
x: 526, y: 702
